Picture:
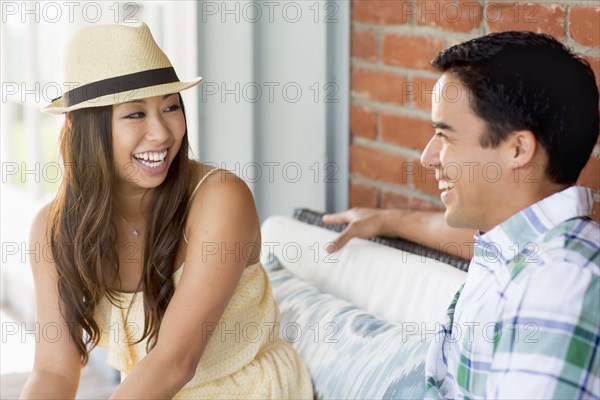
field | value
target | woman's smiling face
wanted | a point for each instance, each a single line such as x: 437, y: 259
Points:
x: 146, y: 137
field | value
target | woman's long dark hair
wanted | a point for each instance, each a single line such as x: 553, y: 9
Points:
x: 84, y: 240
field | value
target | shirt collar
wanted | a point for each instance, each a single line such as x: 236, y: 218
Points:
x: 534, y: 221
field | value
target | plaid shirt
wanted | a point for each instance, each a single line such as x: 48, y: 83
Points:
x: 526, y: 323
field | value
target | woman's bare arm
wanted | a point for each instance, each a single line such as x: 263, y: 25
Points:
x: 57, y: 363
x: 222, y: 216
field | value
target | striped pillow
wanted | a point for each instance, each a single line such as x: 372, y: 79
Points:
x: 350, y: 354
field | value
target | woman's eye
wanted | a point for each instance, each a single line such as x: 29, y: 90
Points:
x: 135, y: 115
x: 174, y: 107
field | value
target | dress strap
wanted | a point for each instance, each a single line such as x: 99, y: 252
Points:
x: 209, y: 173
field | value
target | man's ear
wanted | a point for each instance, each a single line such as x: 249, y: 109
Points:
x: 522, y: 146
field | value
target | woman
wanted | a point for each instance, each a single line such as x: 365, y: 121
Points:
x: 154, y: 257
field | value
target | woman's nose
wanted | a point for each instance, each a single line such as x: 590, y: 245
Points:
x: 158, y: 131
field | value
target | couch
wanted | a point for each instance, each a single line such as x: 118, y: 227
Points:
x: 362, y: 318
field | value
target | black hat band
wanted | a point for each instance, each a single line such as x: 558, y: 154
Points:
x: 119, y: 84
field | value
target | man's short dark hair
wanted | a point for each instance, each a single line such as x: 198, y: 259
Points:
x: 530, y: 81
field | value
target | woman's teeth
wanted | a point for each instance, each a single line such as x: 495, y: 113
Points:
x: 151, y: 159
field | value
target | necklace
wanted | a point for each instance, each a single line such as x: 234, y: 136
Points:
x: 135, y: 232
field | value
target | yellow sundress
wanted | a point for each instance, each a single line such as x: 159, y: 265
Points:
x: 245, y: 358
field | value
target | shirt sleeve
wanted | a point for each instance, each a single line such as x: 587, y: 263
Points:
x: 546, y: 343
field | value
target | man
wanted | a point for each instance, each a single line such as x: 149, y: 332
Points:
x: 507, y: 151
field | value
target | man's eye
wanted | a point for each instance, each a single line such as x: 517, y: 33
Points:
x: 440, y: 135
x: 135, y: 115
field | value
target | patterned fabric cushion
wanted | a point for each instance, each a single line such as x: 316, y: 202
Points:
x: 349, y: 353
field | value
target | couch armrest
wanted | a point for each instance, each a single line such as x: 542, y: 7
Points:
x: 316, y: 218
x: 392, y: 284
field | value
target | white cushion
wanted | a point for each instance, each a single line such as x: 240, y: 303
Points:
x: 389, y: 283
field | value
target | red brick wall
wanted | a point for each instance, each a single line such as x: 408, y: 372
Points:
x: 392, y: 44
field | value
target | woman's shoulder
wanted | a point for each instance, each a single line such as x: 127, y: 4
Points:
x: 222, y: 205
x: 39, y: 225
x: 207, y: 176
x: 219, y: 188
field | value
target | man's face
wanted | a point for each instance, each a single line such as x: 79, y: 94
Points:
x: 470, y: 176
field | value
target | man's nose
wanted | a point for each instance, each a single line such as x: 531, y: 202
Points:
x: 431, y: 154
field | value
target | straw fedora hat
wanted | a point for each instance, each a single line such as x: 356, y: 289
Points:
x: 111, y: 64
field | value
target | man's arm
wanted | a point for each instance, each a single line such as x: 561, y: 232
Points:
x: 426, y: 228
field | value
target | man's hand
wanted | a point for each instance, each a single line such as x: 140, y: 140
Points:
x: 362, y: 222
x: 426, y: 228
